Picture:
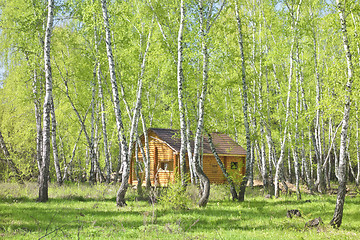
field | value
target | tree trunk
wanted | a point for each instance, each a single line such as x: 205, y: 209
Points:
x: 180, y: 81
x: 89, y: 139
x: 102, y: 109
x: 305, y: 165
x: 137, y: 169
x: 245, y: 108
x: 146, y: 157
x: 357, y: 150
x: 120, y: 196
x: 45, y: 162
x: 54, y: 144
x: 338, y: 213
x: 193, y: 175
x: 37, y: 109
x: 320, y: 181
x: 204, y: 180
x: 68, y: 171
x: 222, y: 167
x: 104, y: 131
x: 282, y: 150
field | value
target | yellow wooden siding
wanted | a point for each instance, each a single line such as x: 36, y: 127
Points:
x: 160, y: 151
x: 164, y: 153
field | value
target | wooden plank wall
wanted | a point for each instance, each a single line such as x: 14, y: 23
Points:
x: 160, y: 151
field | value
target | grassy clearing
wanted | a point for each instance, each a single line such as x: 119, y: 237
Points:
x: 84, y: 212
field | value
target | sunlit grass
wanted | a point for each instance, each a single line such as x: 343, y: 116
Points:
x: 78, y: 211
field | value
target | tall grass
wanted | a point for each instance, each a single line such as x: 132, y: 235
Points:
x: 80, y: 211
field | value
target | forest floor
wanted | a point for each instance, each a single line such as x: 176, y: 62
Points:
x: 80, y: 211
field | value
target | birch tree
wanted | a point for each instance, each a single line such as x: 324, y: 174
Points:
x: 338, y: 213
x: 285, y: 131
x: 205, y: 26
x: 120, y: 196
x: 54, y: 144
x: 45, y: 162
x: 180, y: 80
x: 245, y: 105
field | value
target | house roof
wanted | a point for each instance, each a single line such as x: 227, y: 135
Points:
x: 223, y: 143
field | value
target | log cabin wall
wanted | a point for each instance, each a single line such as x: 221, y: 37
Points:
x: 212, y: 170
x: 164, y: 163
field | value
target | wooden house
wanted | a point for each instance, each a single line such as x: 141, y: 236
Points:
x: 164, y: 146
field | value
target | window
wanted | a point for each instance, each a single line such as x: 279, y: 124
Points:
x: 166, y: 166
x: 234, y: 165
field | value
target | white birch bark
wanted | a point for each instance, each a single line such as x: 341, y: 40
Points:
x: 120, y: 196
x: 102, y: 109
x: 222, y: 167
x: 245, y: 107
x: 54, y: 144
x: 320, y: 180
x: 104, y: 131
x: 137, y: 166
x: 45, y: 162
x: 125, y: 150
x: 305, y: 165
x: 180, y: 82
x: 204, y: 180
x: 193, y: 175
x: 68, y: 167
x: 37, y: 108
x: 146, y: 156
x: 338, y: 213
x: 283, y: 141
x: 357, y: 149
x: 137, y: 110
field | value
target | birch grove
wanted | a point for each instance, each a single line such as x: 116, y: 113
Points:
x: 276, y: 76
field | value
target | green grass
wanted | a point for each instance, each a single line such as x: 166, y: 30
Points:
x: 84, y: 212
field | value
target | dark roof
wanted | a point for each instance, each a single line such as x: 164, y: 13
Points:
x: 223, y: 143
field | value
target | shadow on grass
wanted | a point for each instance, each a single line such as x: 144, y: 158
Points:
x: 74, y: 212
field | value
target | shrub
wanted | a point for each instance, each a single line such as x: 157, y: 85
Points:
x: 174, y: 196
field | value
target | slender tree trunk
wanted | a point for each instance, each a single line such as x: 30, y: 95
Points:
x: 89, y: 139
x: 104, y: 131
x: 137, y: 170
x: 180, y: 81
x: 54, y: 144
x: 93, y: 156
x: 338, y: 213
x: 282, y: 150
x: 204, y: 180
x: 68, y: 171
x: 222, y: 167
x: 146, y: 156
x: 320, y: 181
x: 102, y: 109
x: 305, y: 165
x: 193, y: 175
x: 245, y: 108
x: 37, y: 107
x: 297, y: 113
x: 290, y: 172
x: 120, y: 196
x: 45, y: 162
x: 357, y: 149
